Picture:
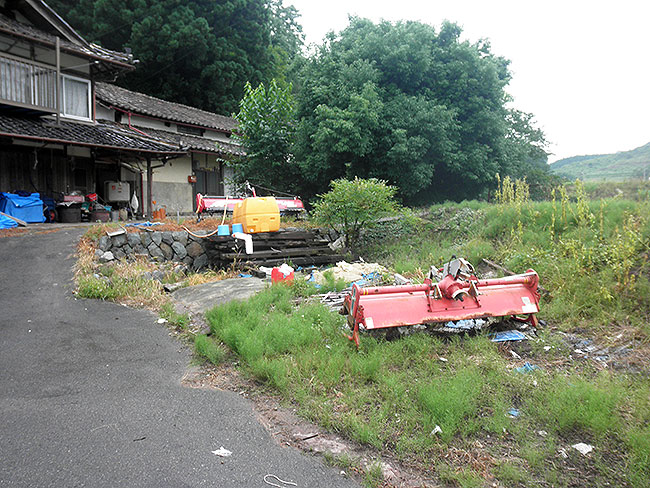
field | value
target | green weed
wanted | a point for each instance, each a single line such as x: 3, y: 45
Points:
x: 461, y: 477
x: 209, y: 349
x: 511, y: 474
x: 569, y: 403
x: 175, y: 319
x: 373, y: 477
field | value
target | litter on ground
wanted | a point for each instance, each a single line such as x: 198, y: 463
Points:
x: 509, y: 335
x: 223, y: 452
x: 527, y: 368
x: 583, y: 448
x: 351, y: 272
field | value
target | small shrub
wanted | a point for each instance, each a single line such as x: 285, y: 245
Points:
x: 354, y: 205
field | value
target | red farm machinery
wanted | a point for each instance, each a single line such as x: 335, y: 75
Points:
x: 459, y: 295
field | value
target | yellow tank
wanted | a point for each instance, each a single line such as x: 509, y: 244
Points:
x: 257, y: 214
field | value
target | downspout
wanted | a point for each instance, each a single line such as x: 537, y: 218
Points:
x: 58, y: 81
x: 149, y: 188
x: 137, y: 130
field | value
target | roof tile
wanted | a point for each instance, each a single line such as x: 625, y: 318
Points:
x: 155, y: 107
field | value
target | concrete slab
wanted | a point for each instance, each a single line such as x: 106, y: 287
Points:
x: 200, y: 298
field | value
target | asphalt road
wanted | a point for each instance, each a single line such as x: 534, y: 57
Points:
x: 90, y: 393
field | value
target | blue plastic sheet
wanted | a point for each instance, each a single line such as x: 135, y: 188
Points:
x: 509, y: 335
x: 527, y: 368
x: 143, y: 224
x: 7, y: 223
x: 28, y: 208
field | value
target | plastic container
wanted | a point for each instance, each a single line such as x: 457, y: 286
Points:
x: 257, y: 214
x: 223, y: 230
x: 278, y: 276
x: 237, y: 228
x: 70, y: 214
x: 115, y: 215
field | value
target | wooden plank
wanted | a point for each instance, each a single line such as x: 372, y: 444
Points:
x: 20, y: 222
x: 302, y: 251
x: 296, y: 261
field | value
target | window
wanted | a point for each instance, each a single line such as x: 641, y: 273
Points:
x: 187, y: 129
x: 76, y: 98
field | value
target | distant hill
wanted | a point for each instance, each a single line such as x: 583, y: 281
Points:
x: 623, y: 165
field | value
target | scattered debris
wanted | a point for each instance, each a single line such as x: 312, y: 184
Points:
x: 513, y: 413
x: 509, y: 335
x: 351, y: 272
x: 162, y: 321
x: 583, y: 448
x: 117, y: 232
x: 527, y: 368
x: 223, y: 452
x: 542, y: 433
x: 436, y: 430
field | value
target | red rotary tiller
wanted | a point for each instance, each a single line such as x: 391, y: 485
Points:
x: 460, y: 295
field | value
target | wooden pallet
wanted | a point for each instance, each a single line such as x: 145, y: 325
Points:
x: 296, y: 247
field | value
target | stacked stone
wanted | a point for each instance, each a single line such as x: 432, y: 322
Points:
x: 177, y: 246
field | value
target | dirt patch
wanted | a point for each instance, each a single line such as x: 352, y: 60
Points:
x: 12, y: 232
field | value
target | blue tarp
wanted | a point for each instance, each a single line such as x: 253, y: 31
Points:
x: 509, y: 335
x: 7, y: 223
x: 29, y: 208
x: 143, y: 224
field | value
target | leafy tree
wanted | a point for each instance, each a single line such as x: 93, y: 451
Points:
x: 354, y: 205
x: 419, y: 108
x: 197, y: 52
x: 266, y: 130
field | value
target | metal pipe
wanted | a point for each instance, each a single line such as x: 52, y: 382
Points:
x: 149, y: 189
x: 58, y: 81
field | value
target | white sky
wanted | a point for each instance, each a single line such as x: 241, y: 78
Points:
x: 581, y: 67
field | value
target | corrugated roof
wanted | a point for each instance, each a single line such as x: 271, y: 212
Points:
x: 110, y: 136
x: 155, y: 107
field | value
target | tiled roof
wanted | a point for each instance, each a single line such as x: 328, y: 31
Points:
x: 110, y: 136
x: 14, y: 27
x: 155, y: 107
x: 196, y: 142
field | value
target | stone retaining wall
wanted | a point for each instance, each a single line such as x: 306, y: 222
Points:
x: 178, y: 246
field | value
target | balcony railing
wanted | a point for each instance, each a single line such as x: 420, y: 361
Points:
x: 27, y: 84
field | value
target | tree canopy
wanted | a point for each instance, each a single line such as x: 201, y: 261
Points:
x: 420, y: 109
x: 197, y: 52
x: 266, y: 129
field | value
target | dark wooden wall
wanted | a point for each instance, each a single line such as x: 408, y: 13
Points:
x: 47, y: 171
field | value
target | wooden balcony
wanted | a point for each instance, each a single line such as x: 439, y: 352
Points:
x: 26, y: 84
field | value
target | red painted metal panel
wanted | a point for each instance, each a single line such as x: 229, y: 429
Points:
x: 396, y: 306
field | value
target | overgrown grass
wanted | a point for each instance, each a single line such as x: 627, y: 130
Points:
x: 209, y: 349
x: 591, y: 255
x: 392, y: 395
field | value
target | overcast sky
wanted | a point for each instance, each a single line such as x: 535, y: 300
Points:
x: 582, y: 67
